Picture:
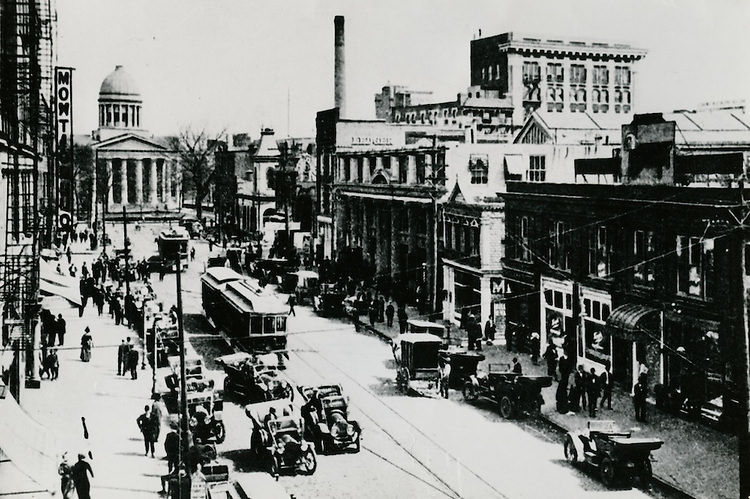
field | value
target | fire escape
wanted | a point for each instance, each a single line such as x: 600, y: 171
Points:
x: 26, y: 75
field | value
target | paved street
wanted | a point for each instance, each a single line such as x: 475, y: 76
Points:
x: 412, y: 446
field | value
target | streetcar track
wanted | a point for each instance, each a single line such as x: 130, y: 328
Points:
x: 408, y: 422
x: 387, y: 433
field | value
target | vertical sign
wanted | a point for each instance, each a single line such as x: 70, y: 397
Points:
x: 64, y: 142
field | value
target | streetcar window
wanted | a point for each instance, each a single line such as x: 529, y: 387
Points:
x: 256, y: 324
x: 280, y: 324
x: 269, y: 325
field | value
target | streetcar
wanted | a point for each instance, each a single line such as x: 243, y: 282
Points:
x: 253, y: 319
x: 171, y: 245
x: 213, y: 284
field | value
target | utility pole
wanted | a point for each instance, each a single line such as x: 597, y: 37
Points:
x: 184, y: 438
x: 125, y: 245
x: 743, y: 431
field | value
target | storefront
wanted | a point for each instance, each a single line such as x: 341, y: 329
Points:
x: 636, y: 345
x: 556, y: 312
x: 595, y: 341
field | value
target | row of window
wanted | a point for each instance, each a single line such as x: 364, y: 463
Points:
x: 695, y: 256
x: 532, y: 73
x: 479, y: 166
x: 462, y: 238
x: 432, y: 163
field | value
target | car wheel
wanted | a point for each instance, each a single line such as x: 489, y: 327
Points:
x: 227, y: 388
x: 571, y: 454
x: 607, y: 469
x: 273, y: 467
x: 643, y: 472
x: 469, y: 392
x: 309, y: 462
x: 506, y: 407
x: 323, y: 446
x: 220, y: 432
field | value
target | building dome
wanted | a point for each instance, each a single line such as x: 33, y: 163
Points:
x: 119, y: 85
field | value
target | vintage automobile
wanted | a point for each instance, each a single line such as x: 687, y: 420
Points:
x: 327, y: 419
x: 421, y: 326
x: 417, y: 357
x: 330, y: 300
x: 252, y: 379
x: 303, y: 283
x: 617, y: 455
x: 463, y: 364
x: 205, y: 408
x: 277, y: 441
x: 516, y: 394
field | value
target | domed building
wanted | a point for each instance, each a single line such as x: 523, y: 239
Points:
x: 141, y: 172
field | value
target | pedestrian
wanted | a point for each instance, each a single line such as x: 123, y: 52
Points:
x: 80, y: 474
x: 86, y: 343
x: 550, y: 356
x: 372, y: 312
x: 402, y: 318
x: 133, y: 362
x: 69, y: 254
x: 592, y: 391
x: 122, y: 358
x: 565, y: 366
x: 72, y: 269
x: 54, y: 364
x: 509, y: 338
x: 517, y: 368
x: 389, y: 311
x: 146, y: 424
x: 577, y: 391
x: 445, y: 374
x: 640, y: 392
x: 476, y: 333
x: 534, y: 346
x: 192, y: 254
x: 605, y: 381
x: 561, y: 398
x: 84, y: 270
x: 292, y: 301
x: 210, y: 244
x: 489, y: 330
x: 172, y: 448
x: 61, y: 328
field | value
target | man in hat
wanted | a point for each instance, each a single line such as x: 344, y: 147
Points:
x: 445, y: 373
x: 80, y: 474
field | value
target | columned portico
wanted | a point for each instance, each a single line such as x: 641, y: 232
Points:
x: 135, y: 181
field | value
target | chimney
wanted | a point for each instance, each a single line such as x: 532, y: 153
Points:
x: 339, y: 66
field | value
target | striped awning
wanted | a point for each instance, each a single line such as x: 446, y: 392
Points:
x: 633, y: 322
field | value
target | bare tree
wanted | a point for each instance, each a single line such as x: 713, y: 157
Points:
x: 196, y: 153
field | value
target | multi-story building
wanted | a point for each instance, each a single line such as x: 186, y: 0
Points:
x: 513, y: 75
x: 646, y: 272
x: 379, y: 198
x: 392, y: 96
x: 472, y: 218
x: 135, y: 170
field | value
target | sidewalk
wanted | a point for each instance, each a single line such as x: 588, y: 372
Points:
x: 110, y: 403
x: 695, y: 459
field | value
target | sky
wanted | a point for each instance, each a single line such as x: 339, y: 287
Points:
x: 240, y: 65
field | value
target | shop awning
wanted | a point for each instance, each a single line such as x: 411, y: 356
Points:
x: 633, y: 322
x: 28, y: 459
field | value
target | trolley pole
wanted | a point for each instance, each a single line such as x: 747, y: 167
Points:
x: 184, y: 440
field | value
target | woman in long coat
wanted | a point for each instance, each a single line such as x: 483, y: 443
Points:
x: 86, y: 343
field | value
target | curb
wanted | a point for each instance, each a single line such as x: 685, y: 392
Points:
x: 658, y: 481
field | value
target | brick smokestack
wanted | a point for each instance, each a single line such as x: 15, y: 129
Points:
x: 339, y: 66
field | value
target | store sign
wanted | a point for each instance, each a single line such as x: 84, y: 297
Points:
x: 496, y: 286
x: 372, y: 141
x: 64, y: 137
